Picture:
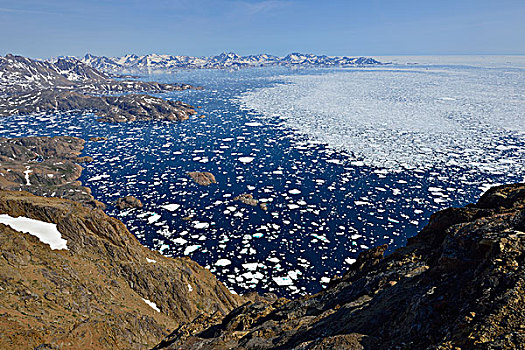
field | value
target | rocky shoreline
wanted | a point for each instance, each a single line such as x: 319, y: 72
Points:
x: 45, y: 166
x: 105, y: 290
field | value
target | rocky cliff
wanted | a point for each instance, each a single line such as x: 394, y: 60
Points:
x: 106, y: 291
x: 458, y: 284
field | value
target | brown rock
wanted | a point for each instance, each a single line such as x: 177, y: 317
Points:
x: 128, y: 202
x: 97, y: 139
x: 85, y: 159
x: 91, y: 296
x: 45, y: 166
x: 247, y: 199
x: 202, y: 178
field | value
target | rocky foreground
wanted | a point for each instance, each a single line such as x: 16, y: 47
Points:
x: 30, y: 86
x: 459, y: 284
x: 106, y: 291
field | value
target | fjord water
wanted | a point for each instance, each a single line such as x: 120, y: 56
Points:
x: 345, y: 159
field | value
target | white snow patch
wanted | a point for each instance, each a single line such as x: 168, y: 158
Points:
x: 26, y: 175
x: 46, y: 232
x: 151, y: 304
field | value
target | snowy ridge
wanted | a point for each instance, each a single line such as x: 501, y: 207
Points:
x: 224, y: 60
x: 19, y: 73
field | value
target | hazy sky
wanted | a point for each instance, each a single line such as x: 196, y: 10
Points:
x: 45, y: 28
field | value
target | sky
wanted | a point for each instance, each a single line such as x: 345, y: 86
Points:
x: 48, y: 28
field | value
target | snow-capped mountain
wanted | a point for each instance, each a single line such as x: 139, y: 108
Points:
x: 132, y: 63
x: 19, y: 73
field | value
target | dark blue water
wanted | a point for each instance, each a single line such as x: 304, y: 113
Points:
x: 322, y: 211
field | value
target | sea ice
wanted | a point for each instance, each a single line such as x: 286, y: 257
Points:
x: 190, y: 249
x: 201, y: 225
x: 246, y: 160
x: 223, y: 262
x: 283, y: 281
x: 409, y: 118
x: 153, y: 218
x: 170, y: 207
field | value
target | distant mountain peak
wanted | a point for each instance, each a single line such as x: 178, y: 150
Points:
x: 132, y: 62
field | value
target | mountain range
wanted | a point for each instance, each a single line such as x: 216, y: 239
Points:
x: 133, y: 62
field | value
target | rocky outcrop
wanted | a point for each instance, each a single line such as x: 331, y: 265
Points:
x: 458, y: 284
x: 128, y: 202
x: 102, y: 293
x: 97, y: 138
x: 45, y: 166
x: 114, y: 109
x: 202, y: 178
x: 29, y: 86
x: 248, y: 199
